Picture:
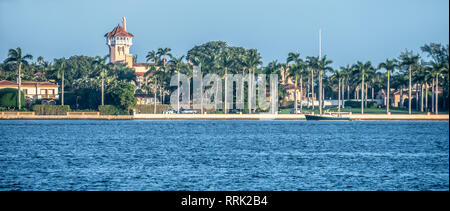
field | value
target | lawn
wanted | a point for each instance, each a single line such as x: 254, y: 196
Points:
x: 358, y: 110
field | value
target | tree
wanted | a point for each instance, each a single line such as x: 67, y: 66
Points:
x: 389, y: 65
x: 362, y: 68
x: 123, y: 95
x: 180, y: 67
x: 100, y: 63
x: 338, y: 76
x: 226, y: 60
x: 164, y: 52
x: 8, y: 98
x: 297, y: 71
x: 60, y: 70
x: 410, y: 60
x: 15, y: 57
x: 440, y: 65
x: 153, y: 71
x: 252, y: 59
x: 323, y: 66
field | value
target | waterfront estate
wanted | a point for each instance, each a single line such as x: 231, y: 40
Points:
x: 410, y: 83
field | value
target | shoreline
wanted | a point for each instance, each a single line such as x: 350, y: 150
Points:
x: 383, y: 117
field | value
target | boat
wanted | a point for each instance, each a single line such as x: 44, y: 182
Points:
x: 329, y: 116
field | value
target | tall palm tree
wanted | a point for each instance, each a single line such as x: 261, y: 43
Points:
x: 61, y: 66
x: 199, y: 61
x: 312, y: 65
x: 338, y: 75
x: 410, y: 60
x: 164, y: 52
x: 323, y: 66
x: 180, y: 67
x: 225, y: 60
x: 292, y: 57
x: 15, y: 57
x: 252, y: 59
x: 362, y: 68
x: 153, y: 71
x: 296, y: 71
x: 389, y: 65
x: 100, y: 64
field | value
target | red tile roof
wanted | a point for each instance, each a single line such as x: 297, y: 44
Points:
x: 119, y: 31
x: 10, y: 83
x: 142, y: 64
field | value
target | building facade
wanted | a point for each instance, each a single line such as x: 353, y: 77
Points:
x: 34, y: 90
x: 119, y: 41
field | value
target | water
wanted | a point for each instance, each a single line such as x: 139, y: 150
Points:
x: 223, y: 155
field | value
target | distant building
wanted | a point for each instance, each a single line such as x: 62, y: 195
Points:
x: 34, y: 90
x: 119, y: 41
x: 146, y: 99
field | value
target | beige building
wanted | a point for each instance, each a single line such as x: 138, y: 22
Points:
x: 119, y: 41
x: 34, y: 90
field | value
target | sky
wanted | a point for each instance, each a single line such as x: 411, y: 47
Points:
x: 365, y: 30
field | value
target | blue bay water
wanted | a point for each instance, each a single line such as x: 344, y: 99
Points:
x: 223, y: 155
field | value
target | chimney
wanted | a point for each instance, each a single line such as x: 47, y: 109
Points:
x: 124, y: 23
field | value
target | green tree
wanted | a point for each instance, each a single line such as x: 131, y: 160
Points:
x: 362, y: 68
x: 15, y: 57
x: 389, y: 65
x: 410, y: 60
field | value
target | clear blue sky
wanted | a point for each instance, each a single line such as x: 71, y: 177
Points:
x: 352, y: 29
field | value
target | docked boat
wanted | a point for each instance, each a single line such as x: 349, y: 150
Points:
x: 329, y: 116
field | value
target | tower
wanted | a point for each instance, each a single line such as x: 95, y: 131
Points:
x: 119, y: 42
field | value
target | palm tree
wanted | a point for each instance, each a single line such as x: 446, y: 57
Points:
x: 389, y: 65
x: 153, y: 71
x: 225, y: 60
x: 199, y: 61
x: 362, y: 68
x: 100, y: 64
x: 339, y: 76
x: 436, y: 70
x: 61, y: 66
x: 323, y: 66
x: 163, y: 52
x: 179, y: 66
x: 252, y: 59
x: 296, y: 72
x: 292, y: 57
x: 15, y: 57
x: 410, y: 60
x: 312, y: 65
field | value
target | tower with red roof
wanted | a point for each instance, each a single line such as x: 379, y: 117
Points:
x: 119, y: 42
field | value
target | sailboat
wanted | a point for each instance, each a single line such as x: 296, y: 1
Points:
x: 327, y: 116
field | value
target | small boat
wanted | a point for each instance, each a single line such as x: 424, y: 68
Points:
x: 329, y: 116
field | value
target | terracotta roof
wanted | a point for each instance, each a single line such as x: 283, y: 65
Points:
x: 119, y: 31
x: 143, y: 64
x: 10, y: 83
x: 5, y: 82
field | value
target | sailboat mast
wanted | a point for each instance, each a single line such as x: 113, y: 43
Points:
x: 320, y: 44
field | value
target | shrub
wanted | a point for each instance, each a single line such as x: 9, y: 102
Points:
x: 51, y: 109
x: 111, y: 110
x: 8, y: 98
x: 357, y: 104
x: 149, y: 109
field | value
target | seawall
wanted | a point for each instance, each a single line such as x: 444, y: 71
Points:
x: 90, y: 116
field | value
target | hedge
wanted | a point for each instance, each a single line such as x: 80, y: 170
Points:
x: 149, y: 109
x: 8, y: 98
x: 357, y: 104
x: 111, y: 110
x: 51, y: 109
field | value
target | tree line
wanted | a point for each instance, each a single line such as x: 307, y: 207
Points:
x: 91, y: 81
